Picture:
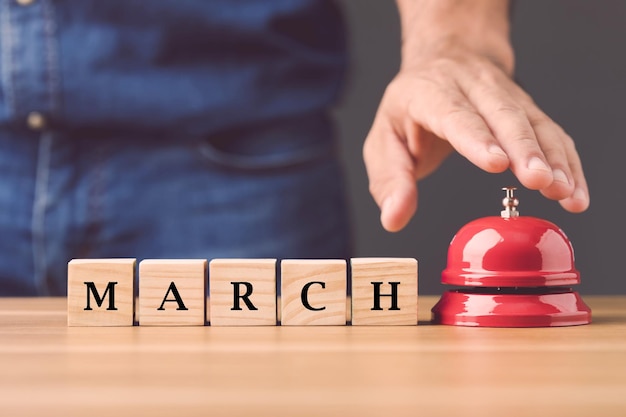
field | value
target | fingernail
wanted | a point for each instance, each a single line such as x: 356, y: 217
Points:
x: 537, y: 164
x: 579, y: 194
x: 496, y: 150
x: 385, y: 209
x: 559, y: 175
x: 387, y: 203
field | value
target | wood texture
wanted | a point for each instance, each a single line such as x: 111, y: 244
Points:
x: 172, y: 292
x: 49, y: 369
x: 243, y: 275
x: 88, y: 285
x: 300, y: 284
x: 366, y: 273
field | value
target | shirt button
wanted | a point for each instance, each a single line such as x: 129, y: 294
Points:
x: 36, y: 121
x: 25, y: 2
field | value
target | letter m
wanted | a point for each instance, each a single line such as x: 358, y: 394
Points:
x: 110, y: 291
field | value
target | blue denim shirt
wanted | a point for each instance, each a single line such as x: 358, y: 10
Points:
x: 193, y: 67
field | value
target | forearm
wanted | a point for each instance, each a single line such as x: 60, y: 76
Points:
x: 431, y: 26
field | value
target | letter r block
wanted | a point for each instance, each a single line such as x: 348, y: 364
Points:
x: 242, y: 292
x: 313, y: 292
x: 384, y: 291
x: 101, y: 292
x: 172, y: 292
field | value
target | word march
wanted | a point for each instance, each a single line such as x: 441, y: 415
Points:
x: 241, y: 292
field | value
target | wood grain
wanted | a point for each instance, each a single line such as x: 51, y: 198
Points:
x: 108, y: 278
x: 327, y: 304
x: 54, y: 370
x: 172, y: 292
x: 260, y: 275
x: 368, y: 271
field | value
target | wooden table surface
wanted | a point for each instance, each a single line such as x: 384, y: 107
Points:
x: 49, y: 369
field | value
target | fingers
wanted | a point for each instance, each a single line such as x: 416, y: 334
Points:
x: 390, y: 169
x: 482, y: 114
x: 399, y: 208
x: 509, y: 123
x: 578, y: 201
x: 552, y: 142
x: 451, y: 116
x: 542, y: 155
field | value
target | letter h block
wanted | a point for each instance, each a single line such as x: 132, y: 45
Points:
x: 101, y: 292
x: 384, y: 291
x: 242, y: 292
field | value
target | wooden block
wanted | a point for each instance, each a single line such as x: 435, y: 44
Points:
x: 242, y: 292
x: 384, y: 291
x: 101, y: 292
x: 313, y: 292
x: 172, y: 292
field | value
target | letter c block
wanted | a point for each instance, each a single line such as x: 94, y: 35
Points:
x: 101, y: 292
x: 313, y: 292
x: 242, y: 292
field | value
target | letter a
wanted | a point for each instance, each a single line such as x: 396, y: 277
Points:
x: 177, y: 298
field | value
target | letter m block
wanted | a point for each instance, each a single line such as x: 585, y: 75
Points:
x: 101, y: 292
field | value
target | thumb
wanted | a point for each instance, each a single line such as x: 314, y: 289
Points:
x: 399, y: 205
x: 391, y: 172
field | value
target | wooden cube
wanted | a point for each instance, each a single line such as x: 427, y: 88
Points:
x: 384, y: 291
x: 242, y: 292
x: 313, y: 292
x: 101, y: 292
x: 172, y: 292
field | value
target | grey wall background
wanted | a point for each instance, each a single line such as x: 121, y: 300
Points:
x: 572, y: 59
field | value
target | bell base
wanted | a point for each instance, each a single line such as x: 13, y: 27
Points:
x: 510, y: 307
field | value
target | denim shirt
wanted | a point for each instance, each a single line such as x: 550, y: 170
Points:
x: 190, y: 67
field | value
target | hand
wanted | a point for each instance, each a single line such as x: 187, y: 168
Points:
x: 459, y: 99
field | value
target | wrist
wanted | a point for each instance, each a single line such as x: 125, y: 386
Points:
x: 433, y: 29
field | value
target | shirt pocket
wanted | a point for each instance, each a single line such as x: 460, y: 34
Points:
x: 270, y: 146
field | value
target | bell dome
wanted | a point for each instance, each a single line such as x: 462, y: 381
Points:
x: 510, y: 252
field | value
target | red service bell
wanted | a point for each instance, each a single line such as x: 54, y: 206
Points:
x: 515, y: 272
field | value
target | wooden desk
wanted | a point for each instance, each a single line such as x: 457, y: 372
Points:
x: 48, y: 369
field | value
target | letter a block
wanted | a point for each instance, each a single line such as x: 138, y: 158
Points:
x: 313, y: 292
x: 172, y: 292
x: 101, y: 292
x: 384, y: 291
x: 242, y: 292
